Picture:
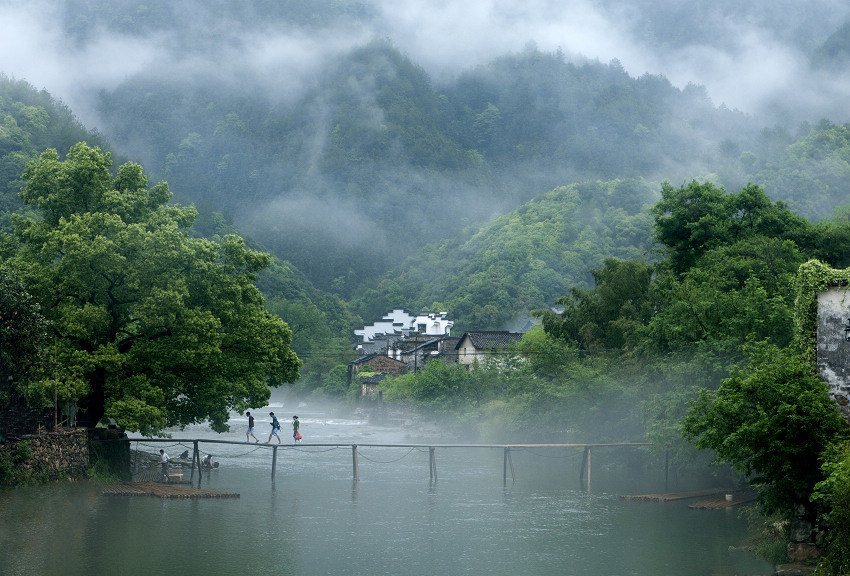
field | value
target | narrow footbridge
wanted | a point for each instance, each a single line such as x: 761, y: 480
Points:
x: 507, y: 462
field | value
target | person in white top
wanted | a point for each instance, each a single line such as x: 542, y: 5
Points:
x: 163, y: 458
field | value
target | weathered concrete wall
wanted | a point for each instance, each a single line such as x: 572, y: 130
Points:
x: 833, y: 348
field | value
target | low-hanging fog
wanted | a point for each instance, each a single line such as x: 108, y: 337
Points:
x: 751, y: 56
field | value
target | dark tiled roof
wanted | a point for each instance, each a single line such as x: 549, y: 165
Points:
x: 365, y: 358
x: 492, y: 339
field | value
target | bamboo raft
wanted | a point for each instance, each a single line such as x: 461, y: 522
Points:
x: 671, y: 496
x: 164, y: 491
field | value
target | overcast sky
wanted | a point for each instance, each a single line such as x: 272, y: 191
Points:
x: 748, y: 62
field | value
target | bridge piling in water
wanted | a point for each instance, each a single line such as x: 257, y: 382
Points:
x: 507, y: 461
x: 196, y: 457
x: 584, y: 473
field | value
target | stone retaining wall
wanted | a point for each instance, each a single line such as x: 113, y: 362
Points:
x: 65, y: 451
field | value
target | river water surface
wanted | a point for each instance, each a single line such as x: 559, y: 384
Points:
x: 314, y: 519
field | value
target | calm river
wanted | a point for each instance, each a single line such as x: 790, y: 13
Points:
x: 394, y: 521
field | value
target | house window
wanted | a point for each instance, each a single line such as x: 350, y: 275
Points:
x: 420, y: 327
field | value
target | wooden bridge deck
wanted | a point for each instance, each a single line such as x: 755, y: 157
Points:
x: 718, y: 503
x: 671, y: 496
x: 161, y: 490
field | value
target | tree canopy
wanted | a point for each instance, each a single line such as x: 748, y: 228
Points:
x: 153, y: 328
x: 770, y: 421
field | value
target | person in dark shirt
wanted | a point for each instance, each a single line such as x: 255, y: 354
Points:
x: 275, y: 429
x: 296, y: 437
x: 250, y: 433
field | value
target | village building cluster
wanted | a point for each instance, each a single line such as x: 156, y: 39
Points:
x: 400, y: 343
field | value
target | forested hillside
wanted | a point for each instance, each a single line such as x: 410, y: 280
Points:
x: 524, y: 260
x: 378, y: 159
x: 375, y: 184
x: 495, y: 275
x: 31, y: 120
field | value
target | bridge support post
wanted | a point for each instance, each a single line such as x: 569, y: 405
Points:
x: 274, y: 461
x: 354, y: 462
x: 432, y: 461
x: 507, y: 461
x: 196, y: 457
x: 584, y: 474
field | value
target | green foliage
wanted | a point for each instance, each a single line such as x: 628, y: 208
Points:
x: 30, y: 121
x: 23, y: 452
x: 768, y: 536
x: 770, y: 421
x: 12, y: 471
x: 440, y: 387
x: 808, y: 173
x: 609, y: 315
x: 669, y: 386
x: 23, y: 332
x: 153, y: 328
x: 813, y: 277
x: 696, y: 218
x: 735, y: 294
x: 833, y: 494
x: 321, y: 323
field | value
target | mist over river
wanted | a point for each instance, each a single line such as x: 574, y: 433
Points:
x: 314, y: 519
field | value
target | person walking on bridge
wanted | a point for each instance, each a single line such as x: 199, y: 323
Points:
x: 250, y: 433
x: 296, y: 435
x: 275, y: 429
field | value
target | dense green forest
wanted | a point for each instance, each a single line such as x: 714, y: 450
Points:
x: 488, y: 274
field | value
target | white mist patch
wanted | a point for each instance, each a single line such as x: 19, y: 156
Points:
x: 34, y: 47
x: 339, y: 220
x: 454, y: 36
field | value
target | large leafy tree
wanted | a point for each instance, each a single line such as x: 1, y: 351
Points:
x: 607, y: 315
x: 153, y: 328
x: 698, y: 217
x: 770, y: 421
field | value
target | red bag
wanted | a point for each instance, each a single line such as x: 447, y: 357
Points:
x: 298, y: 435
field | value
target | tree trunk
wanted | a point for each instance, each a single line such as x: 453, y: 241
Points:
x: 93, y: 406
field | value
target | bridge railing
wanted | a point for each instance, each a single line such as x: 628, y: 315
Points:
x: 507, y: 462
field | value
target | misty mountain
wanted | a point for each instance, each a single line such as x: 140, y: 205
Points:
x: 345, y: 154
x: 523, y: 260
x: 378, y: 158
x: 834, y: 53
x: 492, y: 276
